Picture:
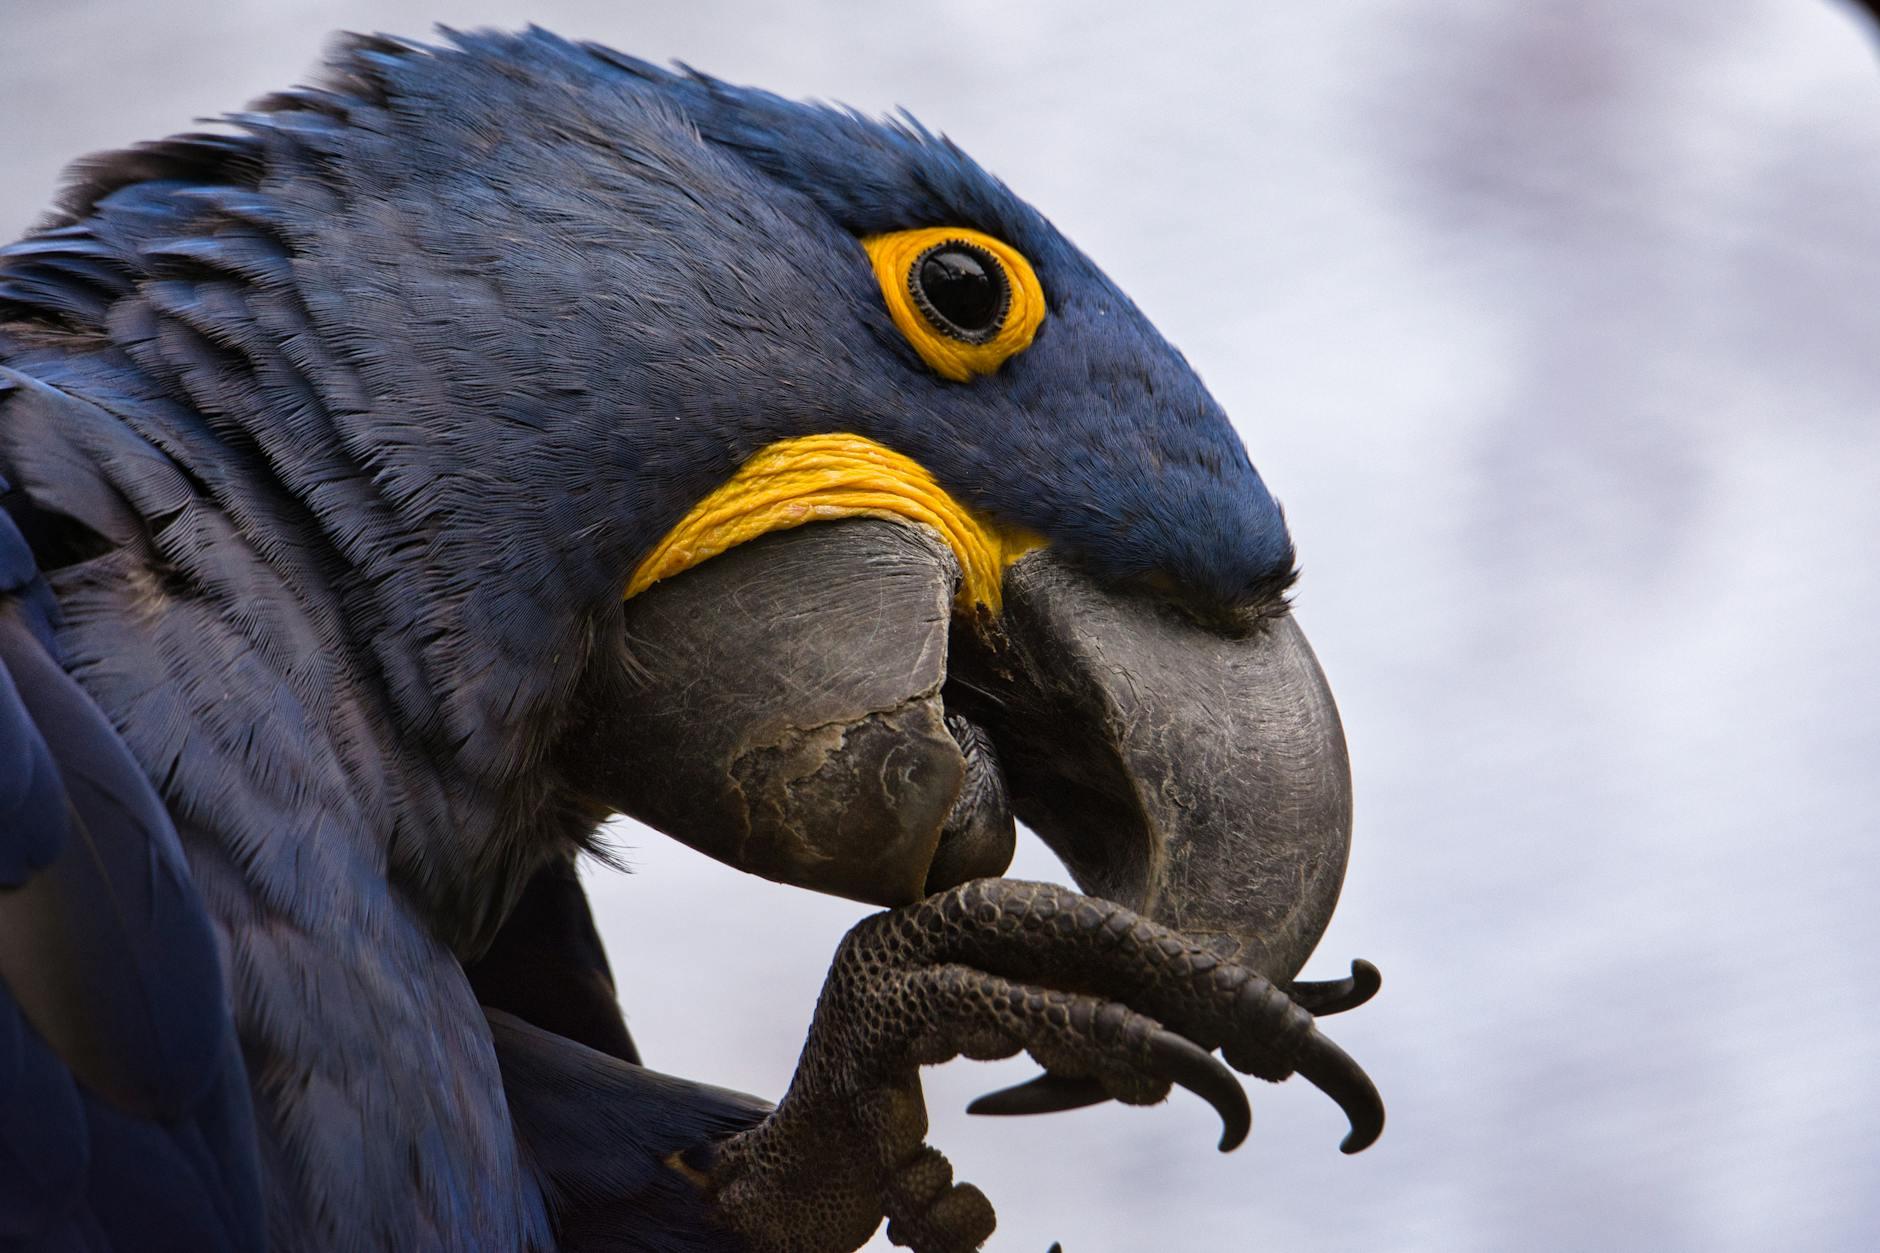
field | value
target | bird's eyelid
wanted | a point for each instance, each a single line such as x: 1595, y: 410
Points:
x: 1014, y: 299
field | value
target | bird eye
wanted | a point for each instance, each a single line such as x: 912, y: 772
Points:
x: 967, y: 302
x: 962, y: 290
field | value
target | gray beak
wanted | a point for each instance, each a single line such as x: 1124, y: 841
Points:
x: 1196, y: 777
x: 780, y: 708
x: 810, y: 707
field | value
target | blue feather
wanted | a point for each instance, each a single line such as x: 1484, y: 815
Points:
x: 45, y: 1144
x: 123, y: 1099
x: 599, y: 1130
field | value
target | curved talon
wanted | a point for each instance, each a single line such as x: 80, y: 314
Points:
x: 1331, y: 1070
x: 1045, y: 1094
x: 1198, y: 1070
x: 1335, y: 996
x: 1174, y: 1058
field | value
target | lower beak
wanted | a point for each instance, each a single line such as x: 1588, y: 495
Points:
x: 779, y: 708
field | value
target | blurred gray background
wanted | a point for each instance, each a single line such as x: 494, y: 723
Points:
x: 1555, y: 328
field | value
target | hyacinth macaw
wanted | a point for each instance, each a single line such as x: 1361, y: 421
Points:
x: 406, y: 479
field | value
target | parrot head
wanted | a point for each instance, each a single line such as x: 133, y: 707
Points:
x: 1100, y: 642
x: 762, y: 470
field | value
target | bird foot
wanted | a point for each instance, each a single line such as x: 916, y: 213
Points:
x: 1111, y: 1004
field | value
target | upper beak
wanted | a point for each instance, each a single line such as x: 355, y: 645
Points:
x: 1199, y: 778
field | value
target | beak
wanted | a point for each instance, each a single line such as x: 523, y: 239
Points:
x: 779, y: 708
x: 1197, y: 776
x: 810, y: 707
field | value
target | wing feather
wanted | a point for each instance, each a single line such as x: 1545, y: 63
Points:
x: 124, y: 1114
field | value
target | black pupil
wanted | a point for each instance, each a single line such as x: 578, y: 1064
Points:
x: 963, y: 286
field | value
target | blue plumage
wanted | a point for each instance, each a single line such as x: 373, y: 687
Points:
x: 124, y: 1113
x: 337, y: 438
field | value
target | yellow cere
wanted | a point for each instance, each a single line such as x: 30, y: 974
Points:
x: 815, y: 478
x: 894, y: 256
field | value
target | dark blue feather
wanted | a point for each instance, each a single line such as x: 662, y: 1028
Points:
x: 45, y: 1139
x: 124, y: 1119
x: 32, y: 797
x: 599, y: 1130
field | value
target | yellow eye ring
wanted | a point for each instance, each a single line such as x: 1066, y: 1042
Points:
x: 967, y: 302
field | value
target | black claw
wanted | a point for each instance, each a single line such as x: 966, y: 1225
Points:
x: 1335, y: 996
x: 1331, y: 1070
x: 1178, y: 1060
x: 1047, y: 1094
x: 1198, y: 1070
